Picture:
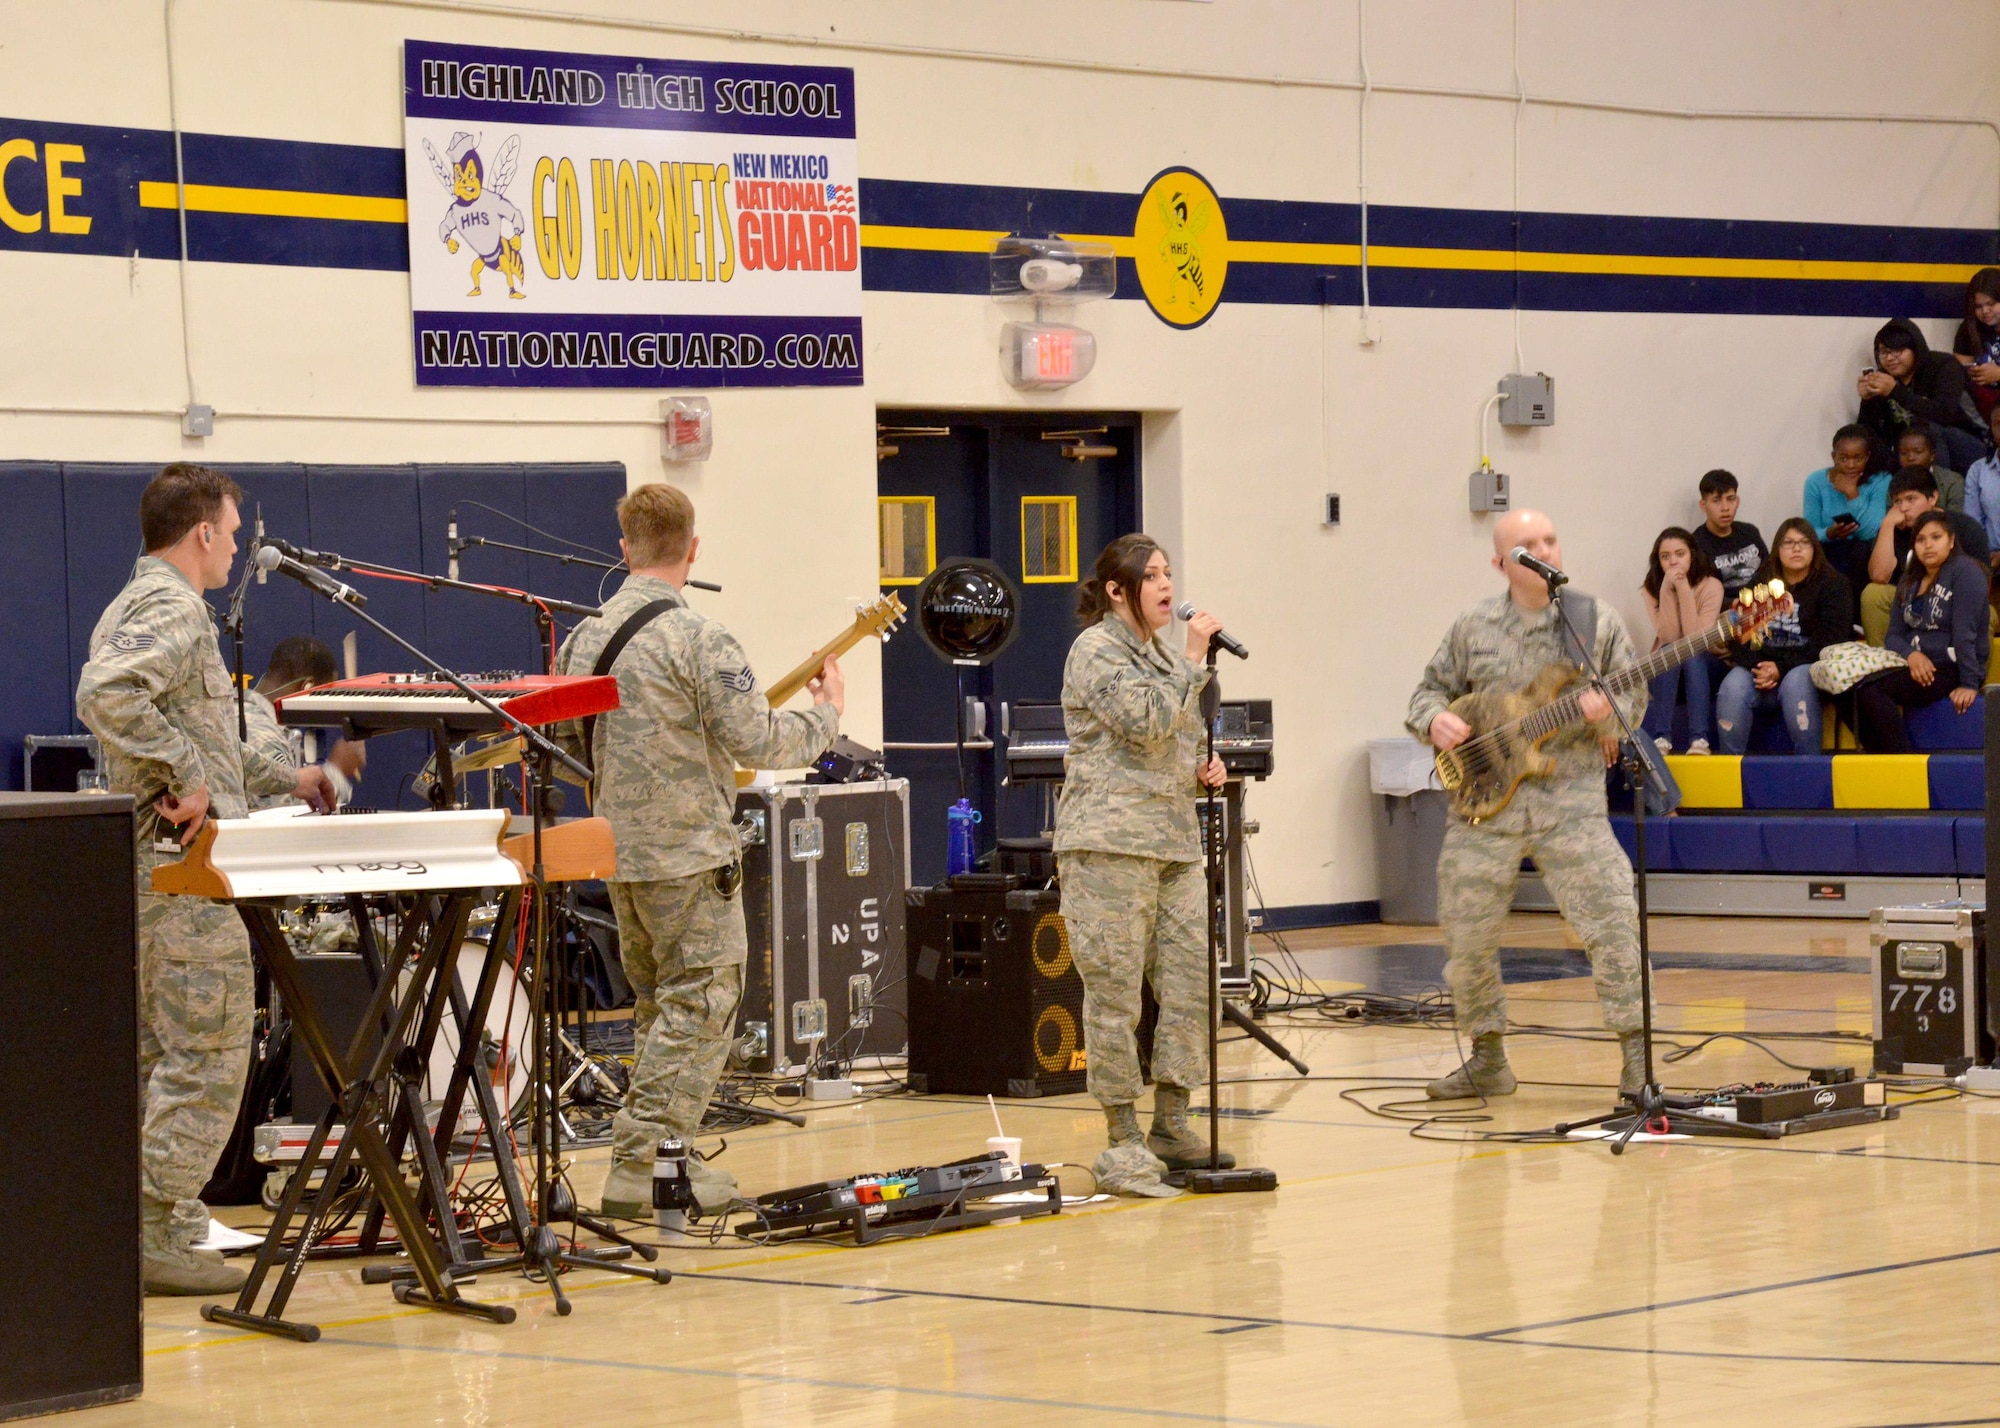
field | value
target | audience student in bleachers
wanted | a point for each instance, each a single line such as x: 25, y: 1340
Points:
x: 1982, y: 489
x: 1777, y: 675
x: 1919, y: 447
x: 1845, y: 502
x: 1910, y: 383
x: 1912, y: 493
x: 1940, y: 625
x: 1977, y: 344
x: 1734, y: 548
x: 1684, y: 597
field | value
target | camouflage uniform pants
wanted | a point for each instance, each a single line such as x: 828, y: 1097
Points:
x: 1129, y: 919
x: 683, y: 947
x: 1591, y: 879
x: 197, y: 1004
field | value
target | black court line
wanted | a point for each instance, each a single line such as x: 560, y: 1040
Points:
x: 1382, y: 1331
x: 1123, y: 1410
x: 1242, y: 1328
x: 1936, y: 1423
x: 1740, y: 1293
x: 879, y: 1299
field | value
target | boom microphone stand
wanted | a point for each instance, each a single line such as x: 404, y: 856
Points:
x: 541, y: 1248
x: 1650, y: 1110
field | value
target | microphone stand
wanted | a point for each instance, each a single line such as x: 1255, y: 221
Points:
x: 1215, y: 1180
x: 542, y: 605
x: 541, y: 1248
x: 233, y: 623
x: 560, y: 557
x: 1650, y: 1109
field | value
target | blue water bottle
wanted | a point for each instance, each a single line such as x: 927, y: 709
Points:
x: 962, y: 853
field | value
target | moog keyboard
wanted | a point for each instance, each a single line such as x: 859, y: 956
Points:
x: 380, y: 703
x: 1037, y: 741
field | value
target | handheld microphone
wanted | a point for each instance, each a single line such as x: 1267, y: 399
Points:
x: 451, y: 544
x: 271, y: 556
x: 1519, y: 555
x: 1221, y: 639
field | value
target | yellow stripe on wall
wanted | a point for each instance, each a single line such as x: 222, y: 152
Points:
x: 290, y: 203
x: 1502, y: 260
x: 276, y: 203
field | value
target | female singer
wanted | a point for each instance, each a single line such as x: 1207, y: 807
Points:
x: 1130, y: 856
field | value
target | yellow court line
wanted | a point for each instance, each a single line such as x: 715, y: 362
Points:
x: 276, y: 203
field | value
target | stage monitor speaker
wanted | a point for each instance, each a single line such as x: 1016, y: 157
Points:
x: 996, y: 1005
x: 338, y: 985
x: 69, y: 1121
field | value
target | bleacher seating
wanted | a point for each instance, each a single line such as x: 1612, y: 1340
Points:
x: 1852, y: 815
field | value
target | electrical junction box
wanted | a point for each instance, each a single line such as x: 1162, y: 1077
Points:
x: 1527, y: 400
x: 1490, y: 490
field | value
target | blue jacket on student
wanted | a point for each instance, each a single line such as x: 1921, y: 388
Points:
x: 1947, y: 621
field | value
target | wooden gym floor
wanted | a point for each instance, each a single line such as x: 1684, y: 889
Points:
x: 1847, y: 1277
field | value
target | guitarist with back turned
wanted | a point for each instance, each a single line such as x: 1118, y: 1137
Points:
x: 1500, y: 645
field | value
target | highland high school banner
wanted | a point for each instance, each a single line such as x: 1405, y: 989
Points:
x: 589, y: 221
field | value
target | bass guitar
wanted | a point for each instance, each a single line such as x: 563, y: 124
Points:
x: 1508, y: 730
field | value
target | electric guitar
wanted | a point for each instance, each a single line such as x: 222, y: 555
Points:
x: 876, y: 618
x: 1508, y: 730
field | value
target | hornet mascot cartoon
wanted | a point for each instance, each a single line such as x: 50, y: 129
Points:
x: 489, y: 224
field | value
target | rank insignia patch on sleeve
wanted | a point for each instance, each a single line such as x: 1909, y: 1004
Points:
x: 740, y: 680
x: 130, y: 644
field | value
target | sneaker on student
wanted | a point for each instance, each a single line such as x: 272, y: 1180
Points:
x: 1697, y: 746
x: 1666, y: 745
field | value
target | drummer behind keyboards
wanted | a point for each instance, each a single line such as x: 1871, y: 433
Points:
x: 155, y: 693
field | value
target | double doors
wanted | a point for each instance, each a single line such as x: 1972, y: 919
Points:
x: 1039, y: 495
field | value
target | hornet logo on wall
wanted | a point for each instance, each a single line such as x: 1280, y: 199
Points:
x: 1181, y: 247
x: 479, y: 215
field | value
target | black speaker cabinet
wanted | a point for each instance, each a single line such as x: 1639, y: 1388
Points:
x: 69, y: 1115
x: 996, y: 1005
x: 337, y: 985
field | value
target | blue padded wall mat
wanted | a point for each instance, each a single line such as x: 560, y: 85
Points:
x: 33, y: 592
x: 1811, y: 845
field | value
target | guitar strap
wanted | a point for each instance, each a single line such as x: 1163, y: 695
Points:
x: 1582, y: 612
x: 614, y: 647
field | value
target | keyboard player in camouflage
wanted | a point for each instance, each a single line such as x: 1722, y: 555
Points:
x: 156, y: 694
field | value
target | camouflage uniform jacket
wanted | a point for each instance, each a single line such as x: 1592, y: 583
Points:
x: 1132, y: 709
x: 690, y: 711
x: 271, y: 739
x: 1497, y: 646
x: 155, y: 693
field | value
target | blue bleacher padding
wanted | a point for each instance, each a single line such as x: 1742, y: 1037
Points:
x: 1958, y: 781
x: 1969, y: 844
x: 1939, y: 726
x: 31, y: 591
x: 1788, y: 781
x: 1659, y: 840
x: 1912, y: 847
x: 1723, y: 843
x: 1814, y: 845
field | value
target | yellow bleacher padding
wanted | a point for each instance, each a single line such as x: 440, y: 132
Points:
x: 1708, y: 780
x: 1882, y: 781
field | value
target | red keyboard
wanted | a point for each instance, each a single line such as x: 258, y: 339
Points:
x: 380, y: 703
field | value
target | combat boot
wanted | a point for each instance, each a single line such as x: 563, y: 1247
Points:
x: 714, y: 1190
x: 1127, y: 1167
x: 1485, y: 1072
x: 628, y: 1190
x: 1632, y: 1074
x: 1173, y: 1139
x: 170, y: 1264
